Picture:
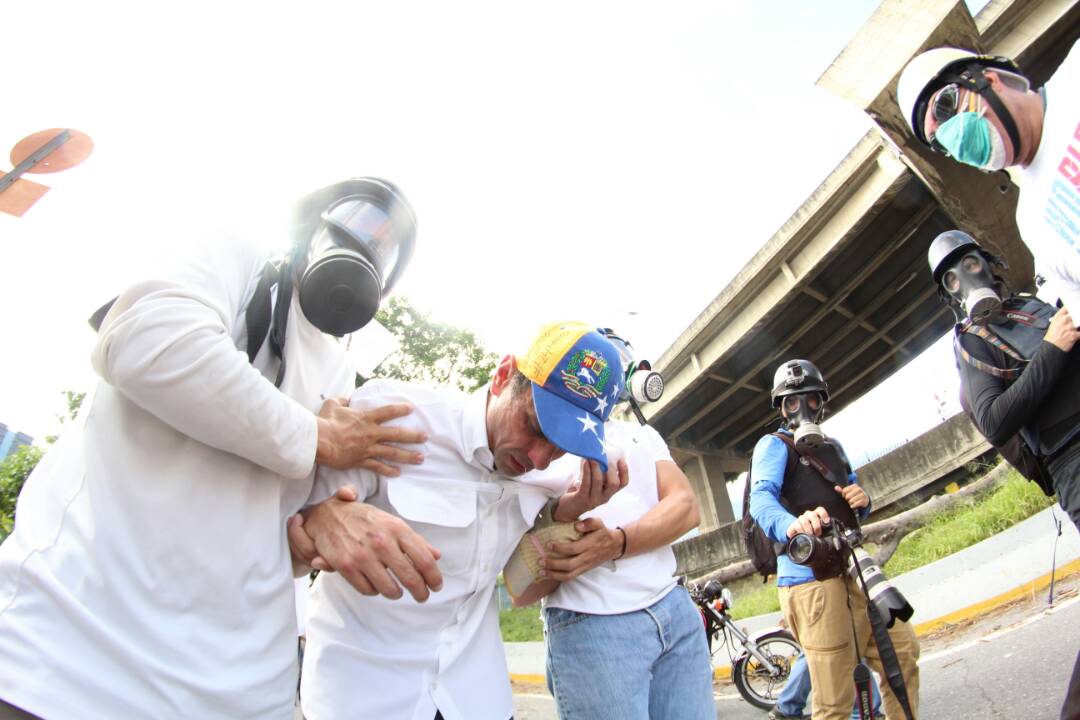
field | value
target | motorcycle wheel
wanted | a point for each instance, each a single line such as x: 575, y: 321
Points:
x: 752, y: 679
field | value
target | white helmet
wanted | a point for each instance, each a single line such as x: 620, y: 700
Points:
x: 933, y: 69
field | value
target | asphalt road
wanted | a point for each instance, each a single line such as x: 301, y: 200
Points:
x: 1009, y: 665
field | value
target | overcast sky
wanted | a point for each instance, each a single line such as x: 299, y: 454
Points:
x: 616, y: 162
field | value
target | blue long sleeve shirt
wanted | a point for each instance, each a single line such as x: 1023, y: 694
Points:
x: 767, y: 475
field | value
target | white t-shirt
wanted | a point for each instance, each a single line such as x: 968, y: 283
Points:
x: 637, y: 581
x: 1048, y: 212
x: 373, y: 658
x: 148, y: 575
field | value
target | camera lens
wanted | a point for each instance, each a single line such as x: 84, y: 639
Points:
x: 801, y: 548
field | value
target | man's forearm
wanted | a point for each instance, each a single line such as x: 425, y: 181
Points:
x: 669, y: 520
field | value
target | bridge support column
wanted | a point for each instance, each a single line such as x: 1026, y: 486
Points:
x: 707, y: 477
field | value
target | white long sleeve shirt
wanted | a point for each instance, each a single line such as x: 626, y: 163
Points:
x: 369, y: 657
x: 148, y: 575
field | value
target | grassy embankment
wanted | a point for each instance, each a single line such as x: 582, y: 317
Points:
x: 945, y: 534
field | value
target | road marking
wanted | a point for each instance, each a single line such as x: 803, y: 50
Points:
x: 999, y: 633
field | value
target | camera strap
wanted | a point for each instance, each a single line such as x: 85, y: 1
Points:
x: 890, y: 664
x: 861, y: 674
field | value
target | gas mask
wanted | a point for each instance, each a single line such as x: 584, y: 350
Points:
x: 362, y: 234
x: 641, y: 383
x: 971, y: 283
x: 803, y: 412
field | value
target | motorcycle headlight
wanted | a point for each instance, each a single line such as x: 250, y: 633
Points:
x: 727, y: 597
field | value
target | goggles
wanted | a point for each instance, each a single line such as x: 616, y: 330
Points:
x: 946, y: 102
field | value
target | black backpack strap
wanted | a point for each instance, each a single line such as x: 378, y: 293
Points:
x: 257, y: 315
x: 264, y: 318
x: 98, y: 317
x: 792, y: 455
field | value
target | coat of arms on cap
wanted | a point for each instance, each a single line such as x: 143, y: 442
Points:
x: 586, y: 374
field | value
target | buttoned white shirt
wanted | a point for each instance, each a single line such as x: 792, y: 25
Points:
x: 370, y: 657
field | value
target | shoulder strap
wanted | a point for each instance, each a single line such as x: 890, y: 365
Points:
x: 257, y: 316
x: 792, y: 456
x: 265, y: 318
x: 1009, y: 374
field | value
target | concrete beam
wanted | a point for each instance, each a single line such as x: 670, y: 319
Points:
x: 857, y: 183
x: 880, y: 176
x: 827, y: 344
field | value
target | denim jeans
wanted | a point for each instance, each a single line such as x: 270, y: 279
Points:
x: 651, y: 663
x: 792, y: 700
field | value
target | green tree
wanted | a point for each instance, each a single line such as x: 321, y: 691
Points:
x: 17, y: 466
x: 432, y: 353
x: 14, y: 469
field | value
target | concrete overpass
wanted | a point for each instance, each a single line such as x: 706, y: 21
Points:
x: 844, y: 282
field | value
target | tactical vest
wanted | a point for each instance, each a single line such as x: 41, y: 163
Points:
x: 1023, y: 324
x: 811, y: 484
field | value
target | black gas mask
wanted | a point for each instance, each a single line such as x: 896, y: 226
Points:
x: 970, y: 282
x: 352, y: 243
x: 803, y: 413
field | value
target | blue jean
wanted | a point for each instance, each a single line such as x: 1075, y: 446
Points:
x: 792, y: 700
x: 651, y: 663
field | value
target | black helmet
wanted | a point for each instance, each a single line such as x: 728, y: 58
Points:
x: 946, y: 247
x: 798, y: 376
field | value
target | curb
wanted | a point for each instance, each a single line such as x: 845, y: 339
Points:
x: 966, y: 613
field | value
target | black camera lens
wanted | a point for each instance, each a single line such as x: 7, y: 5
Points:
x: 801, y: 548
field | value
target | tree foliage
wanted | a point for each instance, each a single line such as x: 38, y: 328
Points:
x: 17, y: 466
x: 432, y: 353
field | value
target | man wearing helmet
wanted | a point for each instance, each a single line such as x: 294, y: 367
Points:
x: 148, y: 574
x: 802, y: 482
x: 981, y: 111
x: 623, y: 639
x: 1019, y: 373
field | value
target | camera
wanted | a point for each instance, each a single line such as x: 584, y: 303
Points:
x: 839, y: 550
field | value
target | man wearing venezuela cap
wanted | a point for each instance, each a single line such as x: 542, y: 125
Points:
x: 493, y: 461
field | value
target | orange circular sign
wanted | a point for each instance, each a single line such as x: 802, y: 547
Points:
x: 76, y: 149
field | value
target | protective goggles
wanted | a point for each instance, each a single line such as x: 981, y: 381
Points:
x: 946, y: 102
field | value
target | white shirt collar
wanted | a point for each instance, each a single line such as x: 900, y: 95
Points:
x: 474, y: 429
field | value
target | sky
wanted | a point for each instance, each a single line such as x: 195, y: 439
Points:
x: 615, y: 162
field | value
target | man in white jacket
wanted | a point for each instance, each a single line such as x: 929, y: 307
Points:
x: 148, y: 574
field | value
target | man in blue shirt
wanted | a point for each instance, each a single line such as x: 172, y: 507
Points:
x: 818, y: 489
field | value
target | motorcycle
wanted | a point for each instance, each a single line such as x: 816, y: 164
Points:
x: 761, y: 668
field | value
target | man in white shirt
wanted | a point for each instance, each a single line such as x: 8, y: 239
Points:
x: 623, y: 639
x: 982, y: 111
x: 148, y: 574
x: 485, y: 477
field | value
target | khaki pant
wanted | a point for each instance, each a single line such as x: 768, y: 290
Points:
x: 10, y: 712
x: 817, y: 613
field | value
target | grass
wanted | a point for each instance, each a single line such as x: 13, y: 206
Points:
x: 521, y: 624
x: 946, y: 533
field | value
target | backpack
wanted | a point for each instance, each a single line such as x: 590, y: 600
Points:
x: 1015, y: 450
x: 758, y: 545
